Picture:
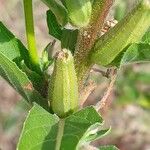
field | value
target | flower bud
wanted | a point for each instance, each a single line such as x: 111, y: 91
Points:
x: 63, y: 89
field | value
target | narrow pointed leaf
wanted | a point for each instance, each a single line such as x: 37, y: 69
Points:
x: 11, y: 47
x: 53, y: 26
x: 15, y: 51
x: 19, y: 81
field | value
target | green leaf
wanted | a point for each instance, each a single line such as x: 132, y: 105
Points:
x: 108, y: 148
x: 39, y: 130
x: 42, y: 129
x: 53, y: 26
x: 129, y: 30
x: 58, y: 10
x: 78, y: 125
x: 69, y: 39
x: 11, y: 47
x: 14, y: 50
x: 20, y: 81
x: 97, y: 135
x: 134, y: 53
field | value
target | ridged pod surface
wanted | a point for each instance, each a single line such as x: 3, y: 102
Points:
x: 63, y: 89
x: 127, y: 31
x: 79, y: 12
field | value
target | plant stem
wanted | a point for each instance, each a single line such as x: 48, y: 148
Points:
x: 28, y: 11
x: 102, y: 103
x: 87, y: 37
x: 61, y: 125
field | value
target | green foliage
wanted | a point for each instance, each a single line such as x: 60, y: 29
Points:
x: 76, y: 25
x: 53, y: 26
x: 58, y: 10
x: 133, y: 54
x: 129, y: 30
x: 12, y: 47
x: 78, y: 129
x: 136, y: 52
x: 79, y: 12
x: 68, y: 37
x: 15, y: 51
x: 18, y: 79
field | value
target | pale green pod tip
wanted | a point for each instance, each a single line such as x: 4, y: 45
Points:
x: 79, y: 12
x: 63, y: 88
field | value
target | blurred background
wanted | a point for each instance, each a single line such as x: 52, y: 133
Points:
x: 129, y: 110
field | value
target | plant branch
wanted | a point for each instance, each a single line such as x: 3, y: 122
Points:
x: 86, y: 92
x: 28, y: 11
x: 61, y: 125
x: 102, y: 103
x: 103, y: 73
x: 88, y: 35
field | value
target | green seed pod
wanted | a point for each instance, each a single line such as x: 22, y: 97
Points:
x: 63, y: 89
x: 79, y: 12
x: 129, y: 30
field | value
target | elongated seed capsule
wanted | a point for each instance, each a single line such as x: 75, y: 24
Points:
x: 79, y: 12
x: 127, y: 31
x: 63, y: 89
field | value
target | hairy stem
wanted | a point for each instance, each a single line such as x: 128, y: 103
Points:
x: 61, y: 125
x: 88, y: 35
x: 28, y: 11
